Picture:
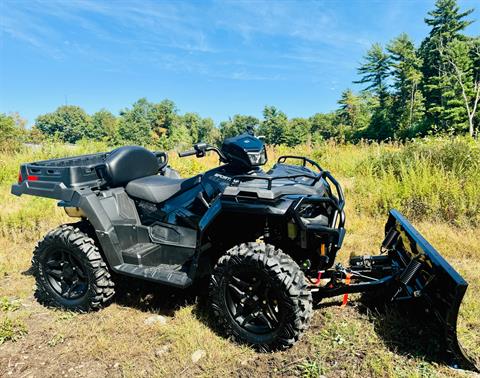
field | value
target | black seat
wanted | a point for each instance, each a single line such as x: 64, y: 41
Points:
x: 128, y: 163
x: 158, y: 188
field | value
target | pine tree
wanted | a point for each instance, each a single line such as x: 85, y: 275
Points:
x: 354, y: 115
x: 407, y: 103
x: 375, y: 71
x: 349, y: 111
x: 463, y: 93
x: 447, y: 23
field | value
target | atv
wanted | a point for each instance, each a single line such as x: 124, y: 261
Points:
x: 265, y: 241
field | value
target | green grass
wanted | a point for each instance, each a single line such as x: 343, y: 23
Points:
x: 11, y: 330
x: 434, y: 182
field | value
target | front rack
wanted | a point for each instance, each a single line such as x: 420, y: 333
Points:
x: 283, y: 159
x: 339, y: 200
x: 237, y: 180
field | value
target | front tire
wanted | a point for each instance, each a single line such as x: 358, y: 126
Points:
x: 259, y: 297
x: 70, y: 272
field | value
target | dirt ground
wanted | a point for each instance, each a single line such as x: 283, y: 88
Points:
x: 129, y: 339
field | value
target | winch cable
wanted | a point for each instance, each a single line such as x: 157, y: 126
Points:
x: 361, y: 275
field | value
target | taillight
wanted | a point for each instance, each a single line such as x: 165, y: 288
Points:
x: 32, y: 178
x: 20, y: 178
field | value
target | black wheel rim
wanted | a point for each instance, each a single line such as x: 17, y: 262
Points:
x: 253, y: 303
x: 65, y: 274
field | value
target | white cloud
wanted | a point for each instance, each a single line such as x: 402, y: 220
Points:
x: 261, y: 37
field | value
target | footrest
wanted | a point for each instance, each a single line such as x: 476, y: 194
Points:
x: 138, y: 253
x: 167, y: 274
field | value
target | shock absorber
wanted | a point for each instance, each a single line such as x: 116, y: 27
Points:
x: 409, y: 272
x: 266, y: 229
x: 407, y: 275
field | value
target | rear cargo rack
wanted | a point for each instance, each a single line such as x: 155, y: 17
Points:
x: 60, y: 178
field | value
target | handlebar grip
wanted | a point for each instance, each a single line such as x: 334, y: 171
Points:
x: 187, y: 153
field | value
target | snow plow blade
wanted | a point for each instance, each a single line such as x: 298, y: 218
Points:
x: 427, y: 277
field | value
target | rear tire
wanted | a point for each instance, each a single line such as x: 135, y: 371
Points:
x: 70, y: 272
x: 259, y: 297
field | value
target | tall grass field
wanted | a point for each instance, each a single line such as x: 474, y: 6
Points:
x: 434, y: 182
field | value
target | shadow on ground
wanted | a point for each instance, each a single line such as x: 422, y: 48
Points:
x: 151, y: 297
x: 408, y: 329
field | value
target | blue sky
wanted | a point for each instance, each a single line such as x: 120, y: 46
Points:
x: 217, y: 58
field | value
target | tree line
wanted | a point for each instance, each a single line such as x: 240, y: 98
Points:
x: 407, y: 92
x: 432, y: 89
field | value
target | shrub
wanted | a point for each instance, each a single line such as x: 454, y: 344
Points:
x: 10, y: 134
x: 432, y: 178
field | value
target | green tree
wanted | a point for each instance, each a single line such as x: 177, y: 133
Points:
x: 162, y: 117
x: 237, y: 125
x: 298, y: 131
x: 104, y: 125
x: 463, y: 95
x: 273, y: 126
x: 69, y: 123
x: 34, y: 135
x: 134, y: 125
x: 192, y: 122
x: 353, y: 116
x: 375, y: 71
x: 323, y: 126
x: 11, y: 135
x: 446, y: 22
x: 207, y: 132
x: 349, y: 112
x: 180, y: 137
x: 407, y: 103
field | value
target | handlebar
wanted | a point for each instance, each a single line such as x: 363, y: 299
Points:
x: 200, y: 150
x: 187, y: 153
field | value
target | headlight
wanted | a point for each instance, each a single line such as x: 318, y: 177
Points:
x: 258, y: 158
x: 312, y: 213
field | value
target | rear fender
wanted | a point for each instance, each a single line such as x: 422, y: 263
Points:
x: 100, y: 217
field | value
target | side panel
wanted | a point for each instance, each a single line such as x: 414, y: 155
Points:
x: 107, y: 213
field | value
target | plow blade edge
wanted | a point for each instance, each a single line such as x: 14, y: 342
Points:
x: 428, y: 277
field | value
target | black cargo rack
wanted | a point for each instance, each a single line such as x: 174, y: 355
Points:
x: 237, y: 180
x: 75, y: 171
x: 283, y: 159
x: 59, y: 178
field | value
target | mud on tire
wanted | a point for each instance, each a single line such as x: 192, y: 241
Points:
x: 259, y: 297
x: 70, y: 272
